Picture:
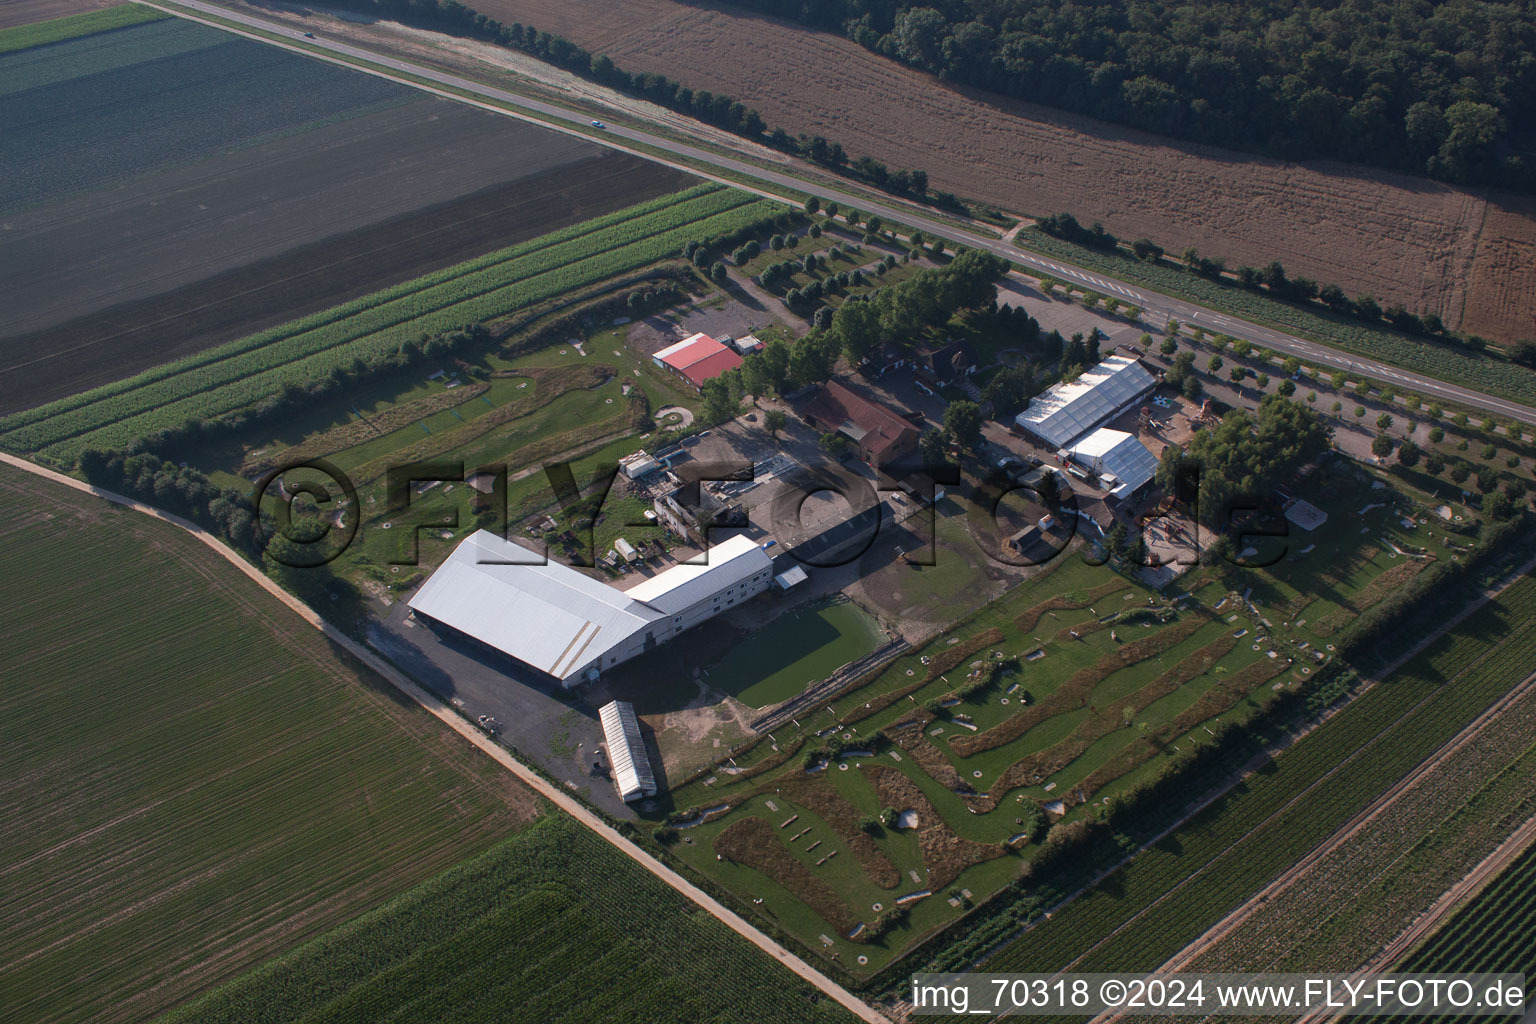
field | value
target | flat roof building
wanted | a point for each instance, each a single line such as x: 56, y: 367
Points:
x: 565, y: 624
x: 1065, y: 412
x: 632, y: 772
x: 697, y: 358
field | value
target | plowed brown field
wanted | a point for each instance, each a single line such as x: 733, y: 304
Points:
x: 1430, y: 246
x: 25, y: 12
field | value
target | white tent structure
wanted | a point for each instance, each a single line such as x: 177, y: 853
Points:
x: 1123, y: 464
x: 632, y: 772
x: 1065, y: 412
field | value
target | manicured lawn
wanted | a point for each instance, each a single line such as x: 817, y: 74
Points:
x: 796, y: 649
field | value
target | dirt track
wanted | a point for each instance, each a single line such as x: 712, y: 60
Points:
x: 1401, y: 238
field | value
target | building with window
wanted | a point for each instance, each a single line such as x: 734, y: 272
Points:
x: 567, y: 625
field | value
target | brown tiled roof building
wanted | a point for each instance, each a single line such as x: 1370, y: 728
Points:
x: 881, y: 435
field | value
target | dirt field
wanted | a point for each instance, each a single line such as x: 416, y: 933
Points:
x: 1400, y: 238
x: 25, y: 12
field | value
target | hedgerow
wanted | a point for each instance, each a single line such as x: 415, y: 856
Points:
x: 244, y: 373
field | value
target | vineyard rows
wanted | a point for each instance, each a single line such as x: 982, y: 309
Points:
x: 1249, y: 838
x: 1492, y: 934
x: 298, y: 356
x: 551, y: 925
x: 1373, y: 885
x: 1501, y: 919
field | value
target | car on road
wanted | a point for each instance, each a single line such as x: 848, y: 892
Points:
x: 598, y: 124
x: 309, y: 35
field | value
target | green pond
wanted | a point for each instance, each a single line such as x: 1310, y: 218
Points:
x: 795, y: 650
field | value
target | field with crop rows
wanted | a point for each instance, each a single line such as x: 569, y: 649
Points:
x: 1178, y: 888
x: 191, y: 779
x: 243, y: 372
x: 96, y: 110
x: 1495, y: 932
x: 56, y: 30
x: 1444, y: 362
x: 553, y: 925
x: 1338, y: 911
x: 175, y: 187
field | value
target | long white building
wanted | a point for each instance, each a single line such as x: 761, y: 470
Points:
x: 1065, y: 412
x: 565, y: 624
x: 632, y: 772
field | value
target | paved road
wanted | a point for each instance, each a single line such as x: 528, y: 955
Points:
x: 456, y: 722
x: 1156, y: 306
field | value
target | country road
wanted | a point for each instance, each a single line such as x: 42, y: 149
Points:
x: 1156, y: 306
x: 548, y: 790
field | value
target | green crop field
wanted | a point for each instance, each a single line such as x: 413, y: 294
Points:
x: 1072, y: 687
x: 1442, y: 361
x: 56, y: 30
x: 1493, y: 933
x: 552, y: 925
x: 1168, y: 895
x: 191, y: 779
x: 244, y: 372
x: 89, y: 112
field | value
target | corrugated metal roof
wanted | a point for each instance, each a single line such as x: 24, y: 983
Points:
x: 731, y: 561
x: 711, y: 366
x: 547, y: 615
x: 669, y: 355
x: 1064, y: 412
x: 1119, y: 454
x: 626, y: 750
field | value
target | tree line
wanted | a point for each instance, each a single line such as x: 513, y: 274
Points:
x: 856, y: 330
x: 712, y: 108
x: 1274, y: 280
x: 1444, y: 89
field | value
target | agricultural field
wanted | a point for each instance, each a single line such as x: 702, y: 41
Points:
x: 1490, y: 933
x: 193, y: 780
x: 239, y: 374
x: 27, y: 23
x: 1069, y: 689
x: 1175, y: 890
x: 1405, y: 240
x: 1341, y: 909
x: 551, y: 925
x: 274, y: 186
x: 1443, y: 361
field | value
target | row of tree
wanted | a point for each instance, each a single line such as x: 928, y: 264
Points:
x: 1444, y: 89
x: 1273, y: 279
x: 712, y: 108
x: 856, y: 330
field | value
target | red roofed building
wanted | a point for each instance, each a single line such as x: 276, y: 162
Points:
x: 880, y: 434
x: 697, y: 359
